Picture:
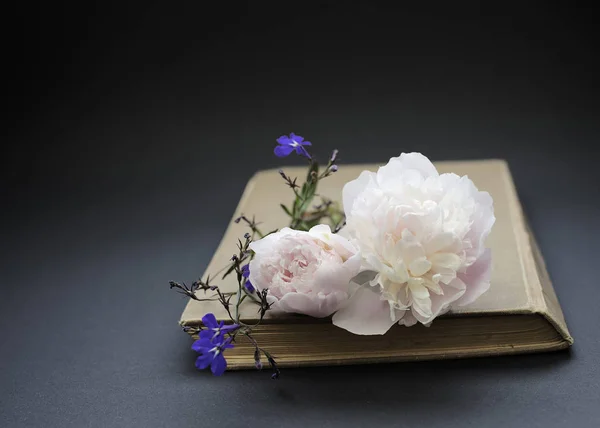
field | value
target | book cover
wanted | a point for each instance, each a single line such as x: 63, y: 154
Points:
x: 519, y: 313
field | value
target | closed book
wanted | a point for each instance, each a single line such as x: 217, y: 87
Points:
x: 520, y: 312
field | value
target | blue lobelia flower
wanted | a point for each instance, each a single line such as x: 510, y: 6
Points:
x: 215, y: 330
x: 246, y: 274
x: 288, y: 144
x: 211, y: 354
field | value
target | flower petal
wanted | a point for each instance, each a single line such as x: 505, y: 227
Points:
x: 202, y: 344
x: 283, y: 151
x: 284, y: 140
x: 419, y: 266
x: 302, y: 151
x: 441, y: 303
x: 408, y: 319
x: 229, y: 328
x: 405, y: 165
x: 249, y: 287
x: 442, y: 241
x: 203, y: 361
x: 477, y: 278
x: 210, y: 321
x: 266, y: 244
x: 321, y: 231
x: 227, y: 344
x: 441, y: 261
x: 246, y: 271
x: 365, y: 313
x: 314, y: 306
x: 483, y: 221
x: 445, y: 266
x: 353, y: 188
x: 432, y: 286
x: 421, y: 302
x: 218, y: 365
x: 206, y: 335
x: 296, y: 138
x: 340, y: 244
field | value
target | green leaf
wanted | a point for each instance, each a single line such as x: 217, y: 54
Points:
x: 309, y: 194
x: 314, y: 167
x: 303, y: 226
x: 295, y: 207
x: 303, y: 190
x: 273, y: 231
x: 286, y: 209
x: 231, y: 269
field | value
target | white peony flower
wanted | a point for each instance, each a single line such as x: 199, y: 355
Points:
x: 422, y: 234
x: 305, y: 272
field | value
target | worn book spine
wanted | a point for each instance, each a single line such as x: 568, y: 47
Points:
x: 541, y: 294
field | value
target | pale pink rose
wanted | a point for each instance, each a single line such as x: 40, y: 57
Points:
x: 422, y: 236
x: 305, y: 272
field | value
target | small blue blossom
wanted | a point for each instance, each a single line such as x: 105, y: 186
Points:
x: 215, y: 330
x: 211, y: 354
x: 246, y: 274
x: 288, y: 144
x: 246, y: 271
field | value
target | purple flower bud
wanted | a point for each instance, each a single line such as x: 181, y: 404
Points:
x: 257, y: 362
x: 249, y: 287
x: 246, y: 271
x: 333, y: 156
x: 333, y: 168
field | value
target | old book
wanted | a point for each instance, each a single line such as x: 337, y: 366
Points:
x: 519, y: 313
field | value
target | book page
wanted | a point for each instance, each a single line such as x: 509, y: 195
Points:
x: 266, y: 190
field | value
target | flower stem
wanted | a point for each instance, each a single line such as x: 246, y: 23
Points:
x: 239, y: 299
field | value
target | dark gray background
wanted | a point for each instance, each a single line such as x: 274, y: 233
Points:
x: 134, y: 128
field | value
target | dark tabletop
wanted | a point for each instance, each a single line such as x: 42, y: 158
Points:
x: 133, y: 130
